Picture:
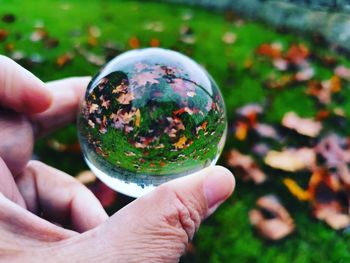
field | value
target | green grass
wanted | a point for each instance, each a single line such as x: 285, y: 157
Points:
x: 227, y: 236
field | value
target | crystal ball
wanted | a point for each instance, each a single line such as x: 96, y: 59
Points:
x: 149, y: 116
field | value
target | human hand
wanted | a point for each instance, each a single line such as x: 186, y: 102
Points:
x: 154, y: 228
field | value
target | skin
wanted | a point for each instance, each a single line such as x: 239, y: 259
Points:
x: 37, y: 200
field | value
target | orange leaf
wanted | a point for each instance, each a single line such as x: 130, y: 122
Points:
x: 297, y: 53
x: 241, y: 131
x: 335, y: 84
x: 181, y: 143
x: 269, y: 50
x: 134, y: 42
x: 138, y: 118
x: 296, y: 190
x: 154, y: 42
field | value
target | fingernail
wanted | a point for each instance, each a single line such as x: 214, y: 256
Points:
x: 218, y: 186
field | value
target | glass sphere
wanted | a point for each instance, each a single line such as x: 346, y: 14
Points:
x: 149, y: 116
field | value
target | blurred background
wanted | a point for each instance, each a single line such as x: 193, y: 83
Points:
x: 283, y: 69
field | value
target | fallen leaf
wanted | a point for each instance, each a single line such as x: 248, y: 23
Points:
x: 273, y: 50
x: 297, y: 54
x: 306, y: 73
x: 277, y: 224
x: 3, y: 34
x: 181, y: 143
x: 154, y: 42
x: 138, y: 118
x: 342, y: 72
x: 291, y: 160
x: 134, y: 42
x: 64, y: 59
x: 241, y: 130
x: 145, y: 77
x: 229, y: 38
x: 126, y: 98
x: 334, y: 149
x: 266, y: 130
x: 280, y: 64
x: 39, y: 34
x: 304, y: 126
x: 246, y: 167
x: 296, y: 190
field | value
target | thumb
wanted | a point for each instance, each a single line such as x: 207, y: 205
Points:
x: 158, y: 226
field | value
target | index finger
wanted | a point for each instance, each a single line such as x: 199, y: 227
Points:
x: 20, y: 90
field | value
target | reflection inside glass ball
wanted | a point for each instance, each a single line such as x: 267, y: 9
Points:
x: 149, y: 116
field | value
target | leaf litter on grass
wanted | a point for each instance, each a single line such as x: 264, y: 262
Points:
x: 296, y: 146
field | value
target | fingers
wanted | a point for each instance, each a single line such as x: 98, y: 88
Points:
x: 8, y: 185
x: 20, y: 90
x: 158, y: 226
x: 67, y: 94
x: 16, y: 143
x: 21, y: 230
x: 59, y: 197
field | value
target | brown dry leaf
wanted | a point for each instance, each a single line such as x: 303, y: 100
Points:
x: 280, y: 64
x: 337, y: 221
x: 306, y: 73
x: 154, y: 42
x: 322, y: 115
x: 322, y: 184
x: 334, y: 149
x: 125, y: 98
x: 277, y: 225
x: 344, y: 173
x: 304, y: 126
x: 297, y: 54
x: 323, y: 90
x: 291, y: 160
x: 250, y: 109
x: 39, y: 34
x: 94, y: 33
x: 3, y: 34
x: 134, y: 42
x: 332, y: 214
x: 281, y: 82
x: 273, y: 50
x: 342, y: 72
x: 246, y: 167
x: 329, y: 193
x: 64, y: 59
x: 266, y: 130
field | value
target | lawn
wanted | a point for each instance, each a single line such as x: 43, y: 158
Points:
x: 227, y: 236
